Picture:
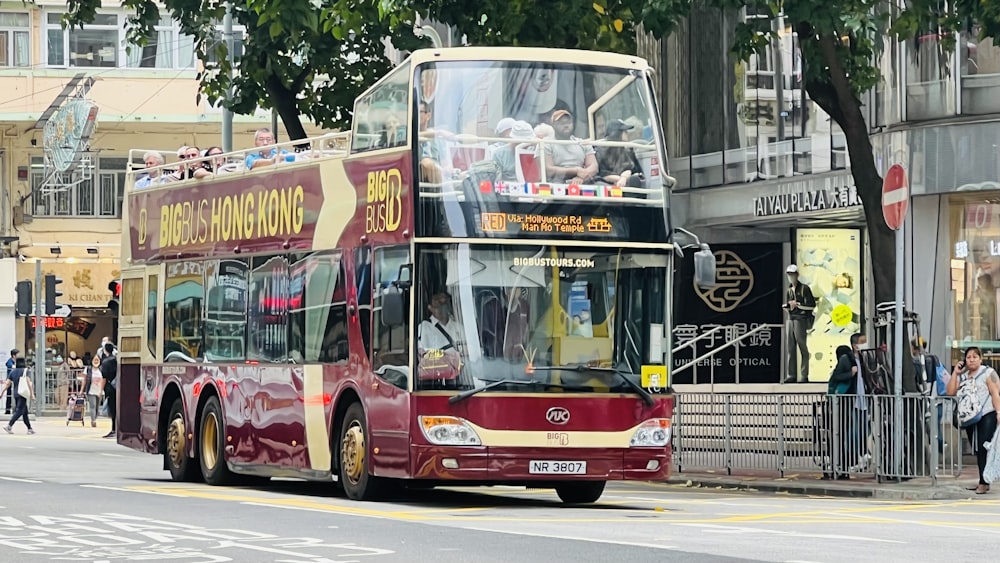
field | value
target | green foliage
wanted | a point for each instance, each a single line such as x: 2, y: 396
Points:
x: 310, y: 58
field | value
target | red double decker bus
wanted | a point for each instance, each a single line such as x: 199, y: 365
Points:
x: 440, y: 296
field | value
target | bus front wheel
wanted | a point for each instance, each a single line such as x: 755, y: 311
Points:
x: 211, y: 440
x: 181, y: 467
x: 580, y: 492
x: 355, y: 464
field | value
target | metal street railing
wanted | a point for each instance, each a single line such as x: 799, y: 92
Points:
x: 838, y: 435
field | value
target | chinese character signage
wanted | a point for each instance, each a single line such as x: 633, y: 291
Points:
x: 747, y: 296
x: 829, y: 262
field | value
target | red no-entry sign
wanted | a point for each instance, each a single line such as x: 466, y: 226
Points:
x: 895, y: 197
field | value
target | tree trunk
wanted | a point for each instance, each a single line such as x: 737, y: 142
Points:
x: 286, y: 103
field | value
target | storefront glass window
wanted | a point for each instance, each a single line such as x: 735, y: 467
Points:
x: 975, y: 270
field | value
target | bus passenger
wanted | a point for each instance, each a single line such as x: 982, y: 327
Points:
x: 262, y: 138
x: 570, y: 163
x: 215, y: 164
x: 430, y: 152
x: 618, y: 165
x: 155, y: 175
x: 187, y: 171
x: 440, y: 331
x: 506, y: 153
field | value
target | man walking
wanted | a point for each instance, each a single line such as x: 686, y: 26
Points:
x: 20, y: 403
x: 11, y: 363
x: 109, y: 369
x: 800, y: 303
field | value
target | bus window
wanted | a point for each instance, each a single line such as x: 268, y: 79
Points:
x: 318, y: 309
x: 380, y: 117
x: 152, y: 322
x: 267, y: 318
x: 390, y: 345
x: 363, y: 286
x: 182, y: 301
x: 225, y: 310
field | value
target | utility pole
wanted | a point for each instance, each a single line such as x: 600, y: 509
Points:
x: 39, y: 369
x: 227, y: 114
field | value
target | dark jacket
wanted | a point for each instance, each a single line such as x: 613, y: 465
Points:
x: 844, y: 374
x: 109, y: 369
x: 800, y: 293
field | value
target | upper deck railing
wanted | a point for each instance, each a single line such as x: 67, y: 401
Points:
x: 232, y: 164
x: 463, y: 151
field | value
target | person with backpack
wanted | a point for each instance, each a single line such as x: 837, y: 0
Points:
x: 20, y: 382
x: 977, y: 388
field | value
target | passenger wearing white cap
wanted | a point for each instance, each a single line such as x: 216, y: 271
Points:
x: 800, y: 304
x: 504, y: 126
x: 505, y: 156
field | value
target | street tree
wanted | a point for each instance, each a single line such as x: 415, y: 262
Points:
x: 302, y: 59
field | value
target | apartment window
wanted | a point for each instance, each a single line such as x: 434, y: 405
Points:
x: 15, y: 43
x: 97, y: 191
x: 103, y: 44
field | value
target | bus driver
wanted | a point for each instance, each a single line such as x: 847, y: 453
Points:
x: 440, y: 331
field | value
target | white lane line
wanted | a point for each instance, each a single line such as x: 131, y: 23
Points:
x: 113, y: 455
x: 571, y: 538
x: 15, y: 479
x: 124, y: 490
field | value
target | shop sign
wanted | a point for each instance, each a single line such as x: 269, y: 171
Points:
x: 746, y: 296
x: 800, y: 199
x: 84, y: 285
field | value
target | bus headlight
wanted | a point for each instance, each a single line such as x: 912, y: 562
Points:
x: 448, y: 431
x: 652, y: 433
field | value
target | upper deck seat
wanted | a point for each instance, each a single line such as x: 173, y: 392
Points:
x: 526, y: 163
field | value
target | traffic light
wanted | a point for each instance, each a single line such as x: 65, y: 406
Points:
x: 25, y: 303
x: 51, y: 294
x: 115, y: 287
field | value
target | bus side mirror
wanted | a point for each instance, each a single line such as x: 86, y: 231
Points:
x: 393, y: 310
x: 704, y: 268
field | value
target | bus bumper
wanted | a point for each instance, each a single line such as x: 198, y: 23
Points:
x: 495, y: 464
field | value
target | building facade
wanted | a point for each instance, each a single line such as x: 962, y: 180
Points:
x: 72, y: 222
x: 758, y: 163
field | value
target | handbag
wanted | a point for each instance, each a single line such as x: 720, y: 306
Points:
x: 23, y: 386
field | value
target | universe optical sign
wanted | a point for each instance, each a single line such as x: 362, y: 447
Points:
x: 226, y: 214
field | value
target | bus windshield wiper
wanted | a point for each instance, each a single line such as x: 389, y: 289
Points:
x: 494, y: 384
x: 646, y: 397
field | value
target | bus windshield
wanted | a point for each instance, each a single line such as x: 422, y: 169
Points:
x: 565, y: 319
x: 532, y: 139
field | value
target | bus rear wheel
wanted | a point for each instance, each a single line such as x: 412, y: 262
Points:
x: 211, y: 440
x: 181, y: 467
x: 355, y: 464
x: 581, y: 492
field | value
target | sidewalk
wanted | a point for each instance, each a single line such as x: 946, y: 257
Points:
x: 812, y: 484
x: 56, y: 426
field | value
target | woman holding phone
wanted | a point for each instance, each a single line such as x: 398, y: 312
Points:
x: 982, y: 431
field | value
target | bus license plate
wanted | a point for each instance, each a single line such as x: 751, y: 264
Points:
x: 547, y: 467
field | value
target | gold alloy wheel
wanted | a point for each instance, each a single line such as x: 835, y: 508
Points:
x: 352, y: 452
x: 176, y: 442
x: 210, y: 441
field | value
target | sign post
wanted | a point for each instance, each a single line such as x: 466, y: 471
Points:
x: 895, y: 203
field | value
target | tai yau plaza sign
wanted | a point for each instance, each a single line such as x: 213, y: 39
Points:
x: 807, y: 198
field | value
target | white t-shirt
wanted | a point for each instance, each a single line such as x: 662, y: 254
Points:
x: 95, y: 382
x: 429, y: 337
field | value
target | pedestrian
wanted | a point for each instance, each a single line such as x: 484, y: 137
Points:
x: 14, y: 353
x: 93, y: 387
x: 984, y: 382
x: 843, y: 381
x: 800, y: 304
x: 20, y: 402
x: 109, y: 371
